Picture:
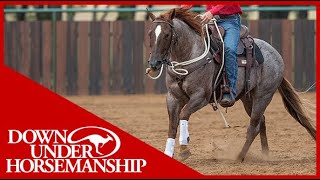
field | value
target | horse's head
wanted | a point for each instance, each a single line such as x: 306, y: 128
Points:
x: 164, y: 33
x: 162, y: 38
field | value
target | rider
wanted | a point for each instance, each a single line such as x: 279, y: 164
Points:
x: 229, y: 19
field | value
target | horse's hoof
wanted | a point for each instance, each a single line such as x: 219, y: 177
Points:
x: 240, y: 159
x: 184, y: 153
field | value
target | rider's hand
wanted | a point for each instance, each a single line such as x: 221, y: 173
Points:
x: 206, y: 17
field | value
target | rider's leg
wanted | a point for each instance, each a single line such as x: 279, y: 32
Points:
x: 231, y: 39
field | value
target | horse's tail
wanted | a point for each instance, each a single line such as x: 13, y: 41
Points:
x: 293, y: 104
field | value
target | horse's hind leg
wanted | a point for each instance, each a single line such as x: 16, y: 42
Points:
x: 247, y: 103
x: 263, y: 137
x: 257, y: 123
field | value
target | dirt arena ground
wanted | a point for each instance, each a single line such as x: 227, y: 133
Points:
x: 213, y: 147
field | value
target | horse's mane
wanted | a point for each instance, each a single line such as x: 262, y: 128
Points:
x: 187, y: 16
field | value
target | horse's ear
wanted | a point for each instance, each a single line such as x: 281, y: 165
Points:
x: 172, y: 13
x: 151, y: 15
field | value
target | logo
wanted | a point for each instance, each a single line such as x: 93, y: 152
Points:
x: 97, y: 140
x: 83, y: 150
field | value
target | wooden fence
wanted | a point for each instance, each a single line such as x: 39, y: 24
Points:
x: 93, y: 58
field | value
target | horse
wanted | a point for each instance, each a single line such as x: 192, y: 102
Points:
x: 176, y: 36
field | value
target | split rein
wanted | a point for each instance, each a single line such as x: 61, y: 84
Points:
x: 173, y: 64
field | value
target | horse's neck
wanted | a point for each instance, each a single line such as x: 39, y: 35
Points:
x: 189, y: 45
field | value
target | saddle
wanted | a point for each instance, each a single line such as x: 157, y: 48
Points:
x: 248, y: 55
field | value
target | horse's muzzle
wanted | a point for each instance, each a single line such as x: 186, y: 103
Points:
x: 155, y: 65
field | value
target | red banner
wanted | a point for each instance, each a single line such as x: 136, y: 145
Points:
x: 44, y: 135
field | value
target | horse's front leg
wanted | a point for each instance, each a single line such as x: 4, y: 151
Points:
x: 174, y: 107
x: 196, y: 102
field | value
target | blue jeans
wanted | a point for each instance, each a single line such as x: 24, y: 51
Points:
x: 232, y: 26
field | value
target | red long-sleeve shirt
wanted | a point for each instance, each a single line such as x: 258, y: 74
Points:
x: 221, y: 9
x: 224, y: 9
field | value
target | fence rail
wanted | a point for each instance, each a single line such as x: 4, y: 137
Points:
x: 93, y: 58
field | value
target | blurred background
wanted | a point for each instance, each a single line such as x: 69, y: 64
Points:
x: 103, y: 49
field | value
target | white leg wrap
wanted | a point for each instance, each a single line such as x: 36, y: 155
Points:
x: 184, y: 134
x: 169, y: 147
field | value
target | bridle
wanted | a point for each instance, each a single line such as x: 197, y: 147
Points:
x: 174, y: 41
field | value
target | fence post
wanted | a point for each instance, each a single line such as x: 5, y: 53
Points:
x: 54, y: 38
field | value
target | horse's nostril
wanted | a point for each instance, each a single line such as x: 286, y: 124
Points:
x: 154, y: 64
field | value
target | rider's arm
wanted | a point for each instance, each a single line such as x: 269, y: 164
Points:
x: 215, y: 10
x: 224, y: 9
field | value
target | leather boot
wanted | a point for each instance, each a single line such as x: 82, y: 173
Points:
x: 227, y: 100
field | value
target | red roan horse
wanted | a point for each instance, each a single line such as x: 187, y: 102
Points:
x: 177, y: 36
